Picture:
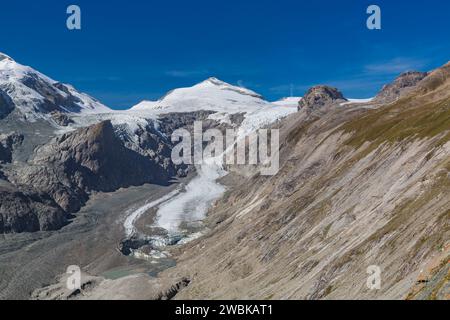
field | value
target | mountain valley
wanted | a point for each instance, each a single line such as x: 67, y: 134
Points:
x: 362, y: 182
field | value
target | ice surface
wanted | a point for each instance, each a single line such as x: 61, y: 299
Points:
x: 14, y: 78
x: 288, y: 102
x: 351, y: 101
x: 192, y: 205
x: 136, y: 214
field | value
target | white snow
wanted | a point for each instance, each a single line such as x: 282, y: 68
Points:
x: 11, y: 70
x: 136, y: 214
x: 288, y: 102
x: 146, y: 105
x: 192, y: 205
x: 226, y: 99
x: 87, y: 104
x: 354, y: 101
x: 263, y: 117
x: 13, y: 79
x: 125, y: 124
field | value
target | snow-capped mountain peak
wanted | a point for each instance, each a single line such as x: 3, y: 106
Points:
x: 36, y: 95
x: 211, y: 94
x: 214, y: 82
x: 13, y: 71
x: 221, y: 98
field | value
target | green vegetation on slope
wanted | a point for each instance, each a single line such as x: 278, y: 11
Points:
x: 404, y: 119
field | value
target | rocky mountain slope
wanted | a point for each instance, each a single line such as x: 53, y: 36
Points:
x: 319, y: 96
x: 68, y: 168
x: 6, y: 105
x: 8, y: 142
x: 360, y: 185
x: 357, y: 187
x: 89, y: 159
x: 403, y: 84
x: 28, y: 211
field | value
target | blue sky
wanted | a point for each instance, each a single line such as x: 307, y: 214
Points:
x: 132, y: 50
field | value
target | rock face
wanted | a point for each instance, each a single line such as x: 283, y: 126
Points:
x: 89, y: 159
x: 153, y: 142
x: 6, y: 104
x: 7, y: 145
x: 61, y: 119
x: 319, y: 96
x: 401, y: 86
x: 171, y: 122
x: 28, y: 212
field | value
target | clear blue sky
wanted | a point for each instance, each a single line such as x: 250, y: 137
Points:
x: 132, y: 50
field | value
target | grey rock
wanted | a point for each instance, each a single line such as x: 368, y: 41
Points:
x: 172, y: 121
x: 7, y: 144
x: 435, y: 79
x: 61, y: 119
x: 401, y: 86
x: 152, y: 144
x: 54, y: 100
x: 29, y: 212
x: 89, y: 159
x: 320, y: 96
x: 6, y: 104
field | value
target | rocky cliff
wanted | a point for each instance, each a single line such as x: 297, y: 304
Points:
x: 8, y: 142
x: 89, y: 159
x: 6, y: 105
x: 320, y: 96
x: 28, y: 211
x: 403, y: 84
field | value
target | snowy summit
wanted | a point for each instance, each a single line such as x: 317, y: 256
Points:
x: 211, y: 94
x: 35, y: 95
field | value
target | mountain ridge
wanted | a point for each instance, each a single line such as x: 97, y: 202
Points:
x: 202, y: 94
x: 36, y: 95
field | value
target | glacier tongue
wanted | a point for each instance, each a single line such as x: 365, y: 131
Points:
x: 190, y: 206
